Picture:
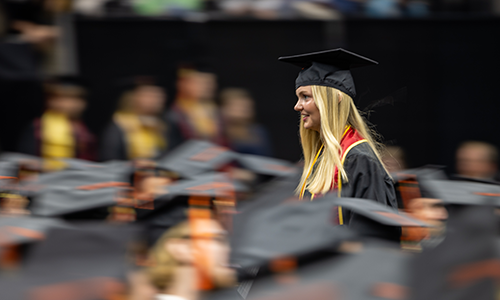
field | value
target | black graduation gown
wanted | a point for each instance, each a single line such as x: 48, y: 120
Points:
x: 367, y: 179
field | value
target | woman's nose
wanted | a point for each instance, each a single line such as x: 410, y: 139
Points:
x: 298, y: 106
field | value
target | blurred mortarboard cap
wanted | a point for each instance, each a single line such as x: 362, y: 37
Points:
x: 211, y: 184
x: 22, y: 159
x: 9, y: 172
x: 377, y: 212
x: 465, y: 264
x: 71, y: 191
x: 462, y: 192
x: 266, y: 165
x: 195, y: 157
x: 329, y: 68
x: 289, y: 230
x: 370, y: 273
x: 424, y: 172
x: 21, y: 230
x: 171, y: 207
x: 88, y: 262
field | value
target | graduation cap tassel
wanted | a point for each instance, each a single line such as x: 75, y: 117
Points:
x: 199, y: 210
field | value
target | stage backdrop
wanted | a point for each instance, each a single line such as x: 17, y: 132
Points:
x: 449, y: 68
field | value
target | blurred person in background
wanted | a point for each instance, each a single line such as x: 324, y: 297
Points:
x: 243, y: 133
x: 189, y: 259
x: 59, y: 132
x: 477, y: 160
x: 136, y: 130
x: 194, y: 114
x: 393, y: 158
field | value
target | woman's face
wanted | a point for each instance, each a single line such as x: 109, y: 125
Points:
x: 309, y: 112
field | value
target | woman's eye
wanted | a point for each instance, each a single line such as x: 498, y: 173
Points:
x: 306, y: 97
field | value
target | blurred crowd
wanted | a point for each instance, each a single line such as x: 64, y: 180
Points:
x: 180, y: 198
x: 263, y: 9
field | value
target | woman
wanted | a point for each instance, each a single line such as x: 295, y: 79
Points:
x: 137, y: 131
x: 340, y: 151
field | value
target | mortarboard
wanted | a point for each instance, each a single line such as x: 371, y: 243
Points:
x: 328, y: 68
x: 87, y: 262
x: 295, y: 227
x: 172, y: 207
x: 289, y: 230
x: 266, y: 165
x: 375, y: 272
x: 465, y: 264
x: 73, y: 191
x: 462, y: 192
x: 20, y: 230
x: 195, y: 157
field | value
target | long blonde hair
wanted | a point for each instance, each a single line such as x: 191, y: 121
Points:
x: 337, y: 110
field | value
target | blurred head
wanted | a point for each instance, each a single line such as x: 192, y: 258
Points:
x: 198, y: 240
x: 196, y: 85
x: 145, y: 99
x: 429, y: 210
x: 67, y: 100
x: 477, y: 160
x: 237, y: 106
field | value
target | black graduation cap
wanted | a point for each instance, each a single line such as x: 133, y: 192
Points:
x: 328, y: 68
x: 376, y: 272
x: 85, y: 262
x: 8, y: 175
x: 462, y: 192
x: 25, y: 229
x: 195, y: 157
x: 290, y: 230
x: 171, y: 207
x: 465, y: 264
x: 212, y: 184
x: 266, y: 165
x: 71, y: 191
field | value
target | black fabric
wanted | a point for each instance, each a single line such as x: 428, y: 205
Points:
x: 326, y: 75
x: 328, y: 68
x: 112, y: 144
x: 27, y: 143
x: 367, y: 179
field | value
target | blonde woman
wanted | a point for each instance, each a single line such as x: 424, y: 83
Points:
x: 340, y: 151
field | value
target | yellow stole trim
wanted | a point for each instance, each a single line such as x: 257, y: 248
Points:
x: 303, y: 188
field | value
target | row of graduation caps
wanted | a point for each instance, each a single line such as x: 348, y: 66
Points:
x: 269, y: 227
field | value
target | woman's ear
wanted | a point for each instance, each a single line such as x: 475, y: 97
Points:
x: 181, y: 250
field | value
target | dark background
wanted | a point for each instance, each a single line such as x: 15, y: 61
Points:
x: 449, y: 67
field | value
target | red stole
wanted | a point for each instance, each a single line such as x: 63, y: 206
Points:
x: 350, y: 139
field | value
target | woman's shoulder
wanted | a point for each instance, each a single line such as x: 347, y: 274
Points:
x: 363, y: 150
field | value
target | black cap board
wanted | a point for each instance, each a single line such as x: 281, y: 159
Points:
x: 462, y: 192
x: 465, y: 264
x: 293, y: 229
x: 266, y: 165
x: 87, y: 262
x: 195, y: 157
x: 329, y: 68
x: 72, y: 191
x: 211, y: 184
x: 373, y: 273
x: 20, y: 230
